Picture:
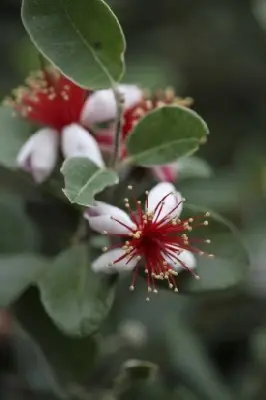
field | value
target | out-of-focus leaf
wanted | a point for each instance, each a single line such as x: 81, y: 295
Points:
x: 17, y: 233
x: 74, y: 296
x: 14, y: 132
x: 193, y: 167
x: 83, y: 180
x: 220, y: 192
x: 17, y: 272
x: 32, y: 365
x: 230, y: 265
x: 71, y: 360
x: 140, y: 380
x: 191, y: 364
x: 82, y: 37
x: 166, y: 134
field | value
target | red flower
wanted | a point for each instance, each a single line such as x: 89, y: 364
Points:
x: 49, y: 99
x: 154, y: 234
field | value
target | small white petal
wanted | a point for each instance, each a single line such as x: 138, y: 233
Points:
x: 101, y: 105
x: 104, y: 262
x: 157, y: 193
x: 99, y: 217
x: 132, y: 95
x: 77, y: 142
x: 39, y: 154
x: 187, y: 258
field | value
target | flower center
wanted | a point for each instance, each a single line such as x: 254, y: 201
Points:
x: 160, y: 240
x: 49, y: 99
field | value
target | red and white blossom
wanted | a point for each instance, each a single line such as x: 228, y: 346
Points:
x: 152, y: 237
x: 55, y: 103
x: 101, y: 107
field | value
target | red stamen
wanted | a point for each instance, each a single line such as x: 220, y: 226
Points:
x: 49, y: 99
x: 159, y: 241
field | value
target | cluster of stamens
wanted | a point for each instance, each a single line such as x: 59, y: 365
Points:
x: 48, y: 98
x: 158, y: 240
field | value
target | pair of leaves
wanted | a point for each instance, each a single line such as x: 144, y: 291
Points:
x: 161, y: 137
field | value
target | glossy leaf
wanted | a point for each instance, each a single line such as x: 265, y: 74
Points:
x: 14, y: 131
x: 165, y: 135
x: 83, y: 180
x: 82, y: 37
x: 74, y: 296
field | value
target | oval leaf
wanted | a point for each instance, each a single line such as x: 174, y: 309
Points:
x: 73, y: 295
x: 14, y: 132
x: 82, y: 37
x: 83, y: 180
x: 230, y: 265
x: 16, y: 274
x: 17, y: 232
x: 71, y: 359
x: 166, y: 134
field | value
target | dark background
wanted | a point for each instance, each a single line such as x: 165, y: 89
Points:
x: 215, y: 52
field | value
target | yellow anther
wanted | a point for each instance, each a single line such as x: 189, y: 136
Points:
x: 147, y: 299
x: 155, y: 291
x: 105, y: 248
x: 176, y: 290
x: 205, y: 223
x: 170, y: 286
x: 208, y: 241
x: 207, y: 214
x: 149, y: 289
x: 146, y: 271
x: 130, y: 187
x: 131, y: 288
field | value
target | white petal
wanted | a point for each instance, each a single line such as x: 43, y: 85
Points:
x: 102, y: 263
x: 160, y: 191
x: 100, y: 219
x: 101, y: 105
x: 77, y: 142
x: 39, y: 154
x: 187, y: 258
x: 132, y: 94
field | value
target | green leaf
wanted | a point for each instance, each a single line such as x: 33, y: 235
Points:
x: 230, y: 265
x: 82, y: 37
x: 188, y: 360
x: 74, y: 296
x: 193, y: 167
x: 165, y: 135
x: 14, y: 132
x: 71, y: 360
x: 17, y: 232
x: 140, y: 380
x: 16, y: 274
x: 83, y: 180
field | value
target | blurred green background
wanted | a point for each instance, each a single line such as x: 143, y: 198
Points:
x: 207, y: 347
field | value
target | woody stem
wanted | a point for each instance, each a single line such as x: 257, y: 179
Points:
x: 119, y: 115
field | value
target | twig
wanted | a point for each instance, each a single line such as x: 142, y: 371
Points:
x: 119, y: 115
